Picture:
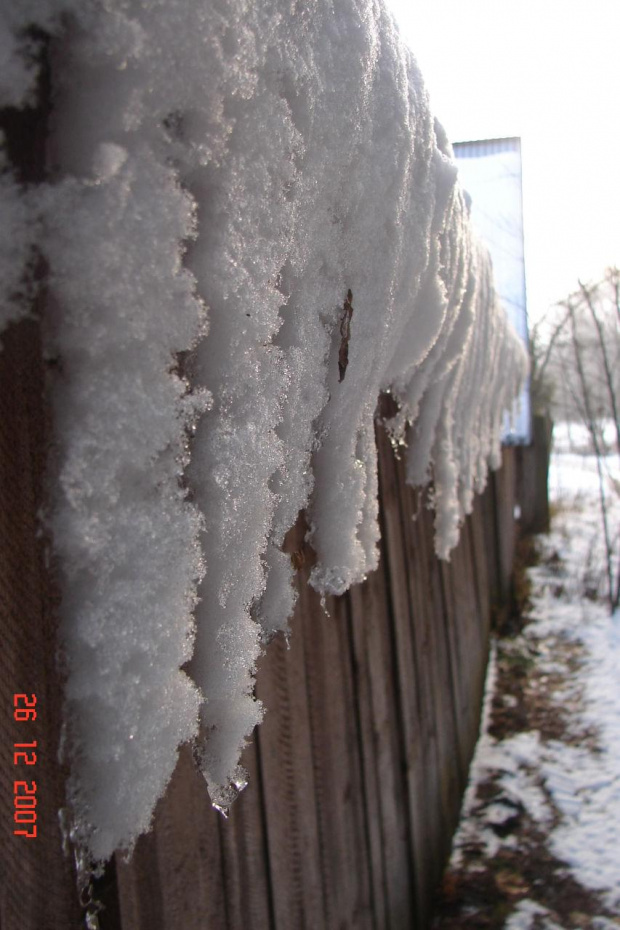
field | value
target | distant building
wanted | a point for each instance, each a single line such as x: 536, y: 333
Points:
x: 490, y: 172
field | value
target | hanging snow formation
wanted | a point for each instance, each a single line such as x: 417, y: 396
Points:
x: 252, y: 227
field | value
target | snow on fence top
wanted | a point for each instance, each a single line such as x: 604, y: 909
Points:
x: 252, y: 228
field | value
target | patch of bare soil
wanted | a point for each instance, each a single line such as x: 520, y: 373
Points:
x: 484, y: 896
x: 536, y: 694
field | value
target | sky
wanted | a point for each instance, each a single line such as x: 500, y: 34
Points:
x: 548, y: 72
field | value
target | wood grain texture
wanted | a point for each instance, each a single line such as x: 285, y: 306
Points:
x: 37, y: 886
x: 357, y: 772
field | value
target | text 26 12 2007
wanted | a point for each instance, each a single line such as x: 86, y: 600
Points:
x: 25, y: 792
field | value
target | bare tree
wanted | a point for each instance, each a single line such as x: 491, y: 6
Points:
x: 576, y: 371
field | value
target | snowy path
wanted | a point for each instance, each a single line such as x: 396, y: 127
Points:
x: 537, y: 846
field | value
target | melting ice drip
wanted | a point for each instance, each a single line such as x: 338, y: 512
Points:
x: 85, y: 869
x: 222, y: 796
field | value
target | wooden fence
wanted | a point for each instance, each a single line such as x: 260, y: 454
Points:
x: 356, y: 774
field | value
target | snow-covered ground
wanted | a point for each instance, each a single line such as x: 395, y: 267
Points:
x: 537, y: 845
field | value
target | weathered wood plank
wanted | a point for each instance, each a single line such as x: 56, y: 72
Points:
x: 244, y: 846
x: 442, y: 673
x: 383, y: 751
x: 289, y: 788
x: 37, y: 888
x: 479, y: 561
x: 175, y: 877
x: 336, y: 758
x: 419, y: 779
x: 504, y: 487
x: 415, y: 523
x: 461, y: 610
x: 447, y: 719
x: 139, y: 887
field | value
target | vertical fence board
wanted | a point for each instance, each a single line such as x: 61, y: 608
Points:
x: 289, y: 788
x: 244, y: 844
x: 460, y: 606
x: 175, y: 876
x: 419, y: 777
x: 479, y: 561
x: 37, y: 884
x: 383, y: 748
x: 439, y: 621
x: 139, y: 888
x: 428, y: 674
x: 337, y: 762
x: 504, y: 485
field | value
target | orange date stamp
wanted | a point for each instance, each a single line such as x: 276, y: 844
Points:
x: 25, y: 754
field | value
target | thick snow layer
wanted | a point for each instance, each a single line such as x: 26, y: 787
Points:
x: 125, y: 536
x: 278, y: 165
